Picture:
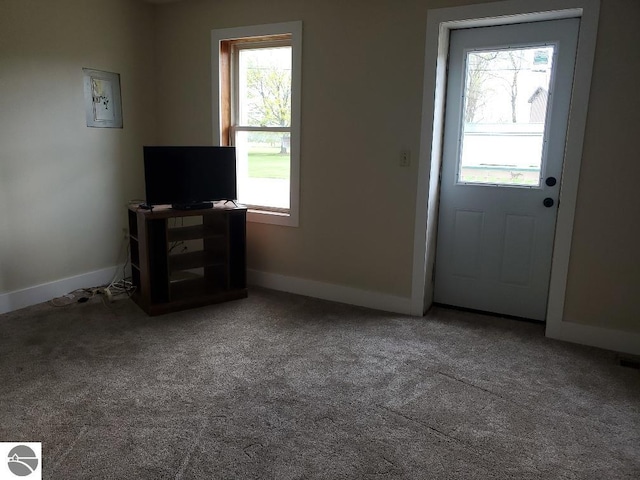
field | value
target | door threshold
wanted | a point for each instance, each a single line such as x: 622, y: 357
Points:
x: 488, y: 314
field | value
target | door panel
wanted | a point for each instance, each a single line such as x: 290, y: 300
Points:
x: 508, y: 97
x: 467, y: 237
x: 517, y: 249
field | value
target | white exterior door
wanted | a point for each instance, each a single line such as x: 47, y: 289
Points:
x: 507, y: 104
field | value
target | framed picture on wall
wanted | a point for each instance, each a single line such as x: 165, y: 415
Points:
x: 102, y: 102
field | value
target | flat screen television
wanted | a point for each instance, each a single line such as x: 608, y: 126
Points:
x: 189, y: 177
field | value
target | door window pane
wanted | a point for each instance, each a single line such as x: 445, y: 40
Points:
x: 505, y: 107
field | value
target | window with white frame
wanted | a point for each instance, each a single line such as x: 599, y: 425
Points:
x: 256, y: 72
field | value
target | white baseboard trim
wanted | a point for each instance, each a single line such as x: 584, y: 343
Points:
x: 330, y: 291
x: 42, y: 293
x: 616, y: 340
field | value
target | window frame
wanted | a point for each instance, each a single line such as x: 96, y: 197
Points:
x: 222, y: 102
x: 236, y: 47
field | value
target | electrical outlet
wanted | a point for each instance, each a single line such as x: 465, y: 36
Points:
x: 405, y: 158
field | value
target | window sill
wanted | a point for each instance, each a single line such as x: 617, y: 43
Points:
x: 273, y: 218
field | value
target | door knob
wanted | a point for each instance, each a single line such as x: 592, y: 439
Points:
x: 548, y: 202
x: 551, y: 181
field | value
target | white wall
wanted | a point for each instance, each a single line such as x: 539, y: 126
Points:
x: 604, y: 274
x: 361, y: 97
x: 361, y: 100
x: 63, y: 186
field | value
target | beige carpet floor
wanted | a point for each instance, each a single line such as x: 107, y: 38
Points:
x: 279, y: 386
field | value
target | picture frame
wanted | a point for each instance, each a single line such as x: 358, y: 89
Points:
x: 102, y: 100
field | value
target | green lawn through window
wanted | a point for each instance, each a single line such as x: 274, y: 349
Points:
x: 267, y: 162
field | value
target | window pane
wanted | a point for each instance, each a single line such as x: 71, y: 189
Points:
x: 505, y: 109
x: 265, y: 87
x: 263, y: 168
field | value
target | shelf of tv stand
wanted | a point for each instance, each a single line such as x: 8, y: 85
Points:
x: 181, y: 234
x: 191, y: 260
x: 214, y: 272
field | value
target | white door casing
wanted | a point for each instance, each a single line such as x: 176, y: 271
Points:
x: 495, y: 242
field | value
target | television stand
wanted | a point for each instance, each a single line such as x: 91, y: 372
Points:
x: 192, y: 206
x: 168, y: 276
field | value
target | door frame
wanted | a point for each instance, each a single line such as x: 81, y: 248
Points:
x: 440, y: 22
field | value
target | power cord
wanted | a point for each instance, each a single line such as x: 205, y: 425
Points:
x: 80, y: 295
x: 115, y: 288
x: 108, y: 292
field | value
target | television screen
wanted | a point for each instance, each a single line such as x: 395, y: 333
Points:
x: 180, y: 176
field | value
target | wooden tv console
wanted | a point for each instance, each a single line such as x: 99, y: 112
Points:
x: 180, y: 262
